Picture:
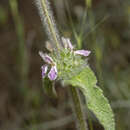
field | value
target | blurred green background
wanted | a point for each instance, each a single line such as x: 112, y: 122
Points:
x: 102, y: 26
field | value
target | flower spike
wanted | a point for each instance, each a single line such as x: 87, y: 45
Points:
x: 53, y: 73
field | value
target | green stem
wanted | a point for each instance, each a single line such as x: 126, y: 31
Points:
x: 77, y: 105
x: 49, y: 22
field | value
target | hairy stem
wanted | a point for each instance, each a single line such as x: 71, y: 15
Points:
x: 49, y: 22
x: 77, y: 105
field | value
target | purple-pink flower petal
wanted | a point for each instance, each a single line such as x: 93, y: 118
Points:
x: 52, y: 75
x: 64, y: 42
x: 82, y: 52
x: 44, y: 70
x: 67, y: 43
x: 46, y: 58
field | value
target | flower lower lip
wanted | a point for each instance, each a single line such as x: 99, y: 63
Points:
x: 82, y: 52
x: 52, y: 75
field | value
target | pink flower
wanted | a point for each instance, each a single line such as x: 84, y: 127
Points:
x: 52, y: 75
x: 68, y: 44
x: 82, y: 52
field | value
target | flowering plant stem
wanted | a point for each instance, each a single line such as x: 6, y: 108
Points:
x: 49, y: 24
x: 77, y: 104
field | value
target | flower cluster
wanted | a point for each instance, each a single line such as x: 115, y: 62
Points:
x: 53, y: 73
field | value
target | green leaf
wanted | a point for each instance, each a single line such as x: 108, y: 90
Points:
x: 95, y: 99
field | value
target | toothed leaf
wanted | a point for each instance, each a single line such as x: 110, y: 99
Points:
x: 95, y: 99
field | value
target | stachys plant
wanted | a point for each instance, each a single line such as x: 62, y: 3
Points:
x: 68, y: 65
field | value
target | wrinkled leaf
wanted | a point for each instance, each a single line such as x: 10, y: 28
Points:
x: 95, y: 99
